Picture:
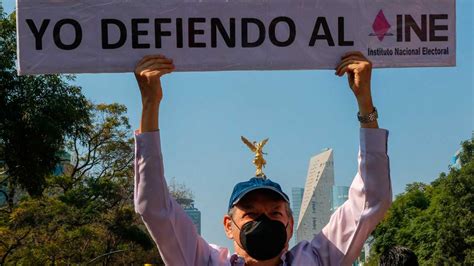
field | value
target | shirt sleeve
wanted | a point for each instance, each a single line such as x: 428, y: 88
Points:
x: 370, y: 196
x: 170, y: 227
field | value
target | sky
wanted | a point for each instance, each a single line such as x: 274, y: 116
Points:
x: 428, y: 112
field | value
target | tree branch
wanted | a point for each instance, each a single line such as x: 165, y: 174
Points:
x: 14, y: 246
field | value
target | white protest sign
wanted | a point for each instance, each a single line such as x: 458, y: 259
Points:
x: 92, y: 36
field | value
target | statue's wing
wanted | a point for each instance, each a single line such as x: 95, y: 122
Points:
x: 264, y: 142
x: 248, y: 143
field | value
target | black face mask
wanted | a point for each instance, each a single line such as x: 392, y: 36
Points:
x: 263, y: 238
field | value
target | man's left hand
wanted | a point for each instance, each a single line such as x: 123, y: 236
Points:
x: 359, y: 72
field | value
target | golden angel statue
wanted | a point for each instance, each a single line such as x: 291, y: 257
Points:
x: 258, y: 160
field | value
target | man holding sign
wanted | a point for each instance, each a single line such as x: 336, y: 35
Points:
x: 259, y: 219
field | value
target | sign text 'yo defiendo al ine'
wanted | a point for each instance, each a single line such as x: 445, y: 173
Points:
x: 96, y: 36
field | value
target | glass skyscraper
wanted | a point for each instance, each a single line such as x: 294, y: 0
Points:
x: 195, y: 216
x: 191, y: 211
x: 296, y: 198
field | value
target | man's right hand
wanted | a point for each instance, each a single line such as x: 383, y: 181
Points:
x: 148, y: 74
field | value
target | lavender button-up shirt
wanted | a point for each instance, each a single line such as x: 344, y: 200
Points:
x: 339, y: 243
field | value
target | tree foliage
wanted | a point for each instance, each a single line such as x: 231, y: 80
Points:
x: 83, y: 213
x: 36, y: 114
x: 181, y: 193
x: 436, y: 221
x: 87, y: 211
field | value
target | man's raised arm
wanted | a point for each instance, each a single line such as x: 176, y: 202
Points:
x: 370, y: 194
x: 170, y: 227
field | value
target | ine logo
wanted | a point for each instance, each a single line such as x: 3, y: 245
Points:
x: 428, y: 27
x: 381, y: 26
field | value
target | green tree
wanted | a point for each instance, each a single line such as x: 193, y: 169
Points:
x: 36, y: 114
x: 451, y: 213
x: 85, y: 214
x: 436, y: 221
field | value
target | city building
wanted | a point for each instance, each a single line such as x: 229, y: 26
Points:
x: 195, y: 216
x: 456, y: 160
x: 64, y: 166
x: 296, y: 198
x: 317, y: 197
x: 192, y: 212
x: 339, y: 195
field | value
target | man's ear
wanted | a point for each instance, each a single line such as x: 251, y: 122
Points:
x: 289, y: 228
x: 228, y: 226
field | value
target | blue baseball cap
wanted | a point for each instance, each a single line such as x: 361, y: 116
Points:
x: 242, y: 188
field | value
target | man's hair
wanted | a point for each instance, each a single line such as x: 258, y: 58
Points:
x: 398, y: 256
